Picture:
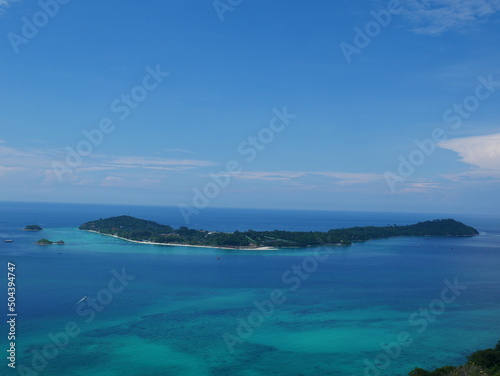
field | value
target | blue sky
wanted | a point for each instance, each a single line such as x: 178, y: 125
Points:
x: 354, y: 119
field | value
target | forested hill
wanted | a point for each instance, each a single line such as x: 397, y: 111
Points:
x: 141, y: 230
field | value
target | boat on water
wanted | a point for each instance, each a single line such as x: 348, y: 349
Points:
x: 9, y: 241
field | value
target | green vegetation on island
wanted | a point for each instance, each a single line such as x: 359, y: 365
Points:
x: 48, y: 242
x: 480, y: 363
x: 147, y: 231
x: 32, y: 228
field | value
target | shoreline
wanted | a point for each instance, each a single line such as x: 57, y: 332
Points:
x: 187, y: 245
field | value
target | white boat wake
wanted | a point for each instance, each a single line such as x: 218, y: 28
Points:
x: 81, y: 300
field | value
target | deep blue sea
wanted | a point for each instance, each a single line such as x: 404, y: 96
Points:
x: 376, y: 308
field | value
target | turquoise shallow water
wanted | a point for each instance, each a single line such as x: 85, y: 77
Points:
x: 171, y: 319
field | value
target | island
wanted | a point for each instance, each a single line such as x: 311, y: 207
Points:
x: 32, y: 228
x: 48, y: 242
x: 143, y: 231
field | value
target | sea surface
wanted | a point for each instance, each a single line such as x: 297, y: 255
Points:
x: 376, y: 308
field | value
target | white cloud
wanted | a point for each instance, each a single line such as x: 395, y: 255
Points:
x: 36, y: 164
x: 8, y: 152
x: 5, y: 4
x: 158, y: 163
x: 8, y: 170
x: 483, y: 176
x: 269, y: 176
x: 178, y: 151
x: 339, y: 178
x: 435, y: 17
x: 112, y: 181
x: 420, y: 187
x: 120, y: 182
x: 28, y: 159
x: 348, y: 178
x: 51, y: 178
x: 482, y: 152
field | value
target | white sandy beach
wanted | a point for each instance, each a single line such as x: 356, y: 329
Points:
x: 185, y: 245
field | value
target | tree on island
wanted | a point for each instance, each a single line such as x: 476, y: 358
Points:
x: 33, y: 228
x: 48, y: 242
x: 480, y: 363
x: 147, y: 231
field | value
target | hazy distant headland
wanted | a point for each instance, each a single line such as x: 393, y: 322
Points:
x: 139, y: 230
